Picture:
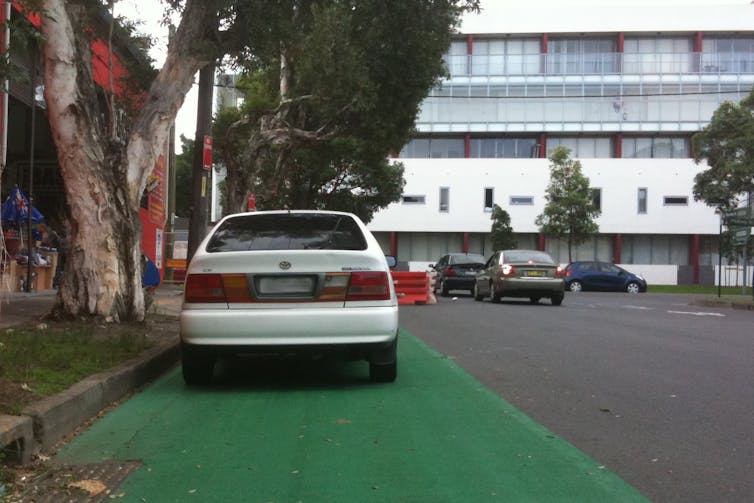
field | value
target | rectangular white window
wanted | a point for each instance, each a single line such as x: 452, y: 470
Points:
x: 413, y: 199
x: 522, y: 200
x: 676, y: 201
x: 444, y: 199
x: 642, y: 200
x: 489, y: 193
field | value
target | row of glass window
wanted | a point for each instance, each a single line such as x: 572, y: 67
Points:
x: 489, y: 199
x: 588, y: 55
x: 644, y: 147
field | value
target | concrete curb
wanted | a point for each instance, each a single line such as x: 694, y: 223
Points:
x: 44, y: 423
x: 744, y: 306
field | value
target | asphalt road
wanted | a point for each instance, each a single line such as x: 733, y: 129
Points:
x: 660, y: 391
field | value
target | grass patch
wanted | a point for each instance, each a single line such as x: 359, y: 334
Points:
x: 38, y: 360
x: 735, y: 291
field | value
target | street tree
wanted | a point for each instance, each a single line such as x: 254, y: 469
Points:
x: 570, y: 210
x: 104, y: 157
x: 183, y: 176
x: 501, y: 234
x: 727, y: 146
x: 345, y: 89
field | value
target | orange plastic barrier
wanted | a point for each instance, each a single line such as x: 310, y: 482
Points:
x: 411, y: 287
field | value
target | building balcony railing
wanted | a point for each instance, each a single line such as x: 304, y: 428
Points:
x: 599, y: 64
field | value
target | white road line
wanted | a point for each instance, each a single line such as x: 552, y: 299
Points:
x: 645, y: 308
x: 697, y: 313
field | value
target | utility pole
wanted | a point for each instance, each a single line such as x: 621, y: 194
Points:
x: 202, y: 174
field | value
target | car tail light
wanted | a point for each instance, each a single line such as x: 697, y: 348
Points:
x: 368, y: 286
x: 507, y: 270
x: 236, y: 288
x: 568, y: 272
x: 559, y: 272
x: 204, y: 288
x: 449, y: 272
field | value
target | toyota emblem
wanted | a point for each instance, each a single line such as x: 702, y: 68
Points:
x: 285, y: 265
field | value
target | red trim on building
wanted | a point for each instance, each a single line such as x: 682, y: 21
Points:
x: 541, y: 242
x: 542, y: 145
x: 465, y: 242
x: 621, y: 41
x: 467, y: 146
x: 617, y: 248
x: 394, y: 244
x: 694, y: 255
x: 618, y: 146
x: 545, y: 42
x: 469, y: 44
x: 698, y: 41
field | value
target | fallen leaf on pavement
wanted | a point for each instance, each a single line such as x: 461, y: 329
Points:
x: 93, y: 487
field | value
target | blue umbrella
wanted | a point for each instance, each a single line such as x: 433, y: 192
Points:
x: 16, y: 209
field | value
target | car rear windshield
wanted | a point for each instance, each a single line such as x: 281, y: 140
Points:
x: 467, y: 259
x: 526, y: 256
x: 287, y: 231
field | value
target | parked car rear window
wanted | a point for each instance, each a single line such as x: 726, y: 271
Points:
x: 467, y: 259
x: 525, y: 256
x: 289, y: 231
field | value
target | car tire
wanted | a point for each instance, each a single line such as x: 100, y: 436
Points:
x: 557, y: 300
x: 575, y: 286
x: 383, y: 372
x: 475, y: 292
x: 494, y: 294
x: 443, y: 288
x: 633, y: 287
x: 533, y: 300
x: 197, y: 365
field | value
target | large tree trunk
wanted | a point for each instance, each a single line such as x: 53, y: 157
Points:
x: 103, y: 178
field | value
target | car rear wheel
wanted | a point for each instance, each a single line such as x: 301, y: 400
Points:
x: 383, y: 363
x: 557, y: 300
x: 494, y: 294
x: 633, y: 287
x: 575, y: 286
x: 477, y: 296
x: 443, y: 288
x: 198, y: 366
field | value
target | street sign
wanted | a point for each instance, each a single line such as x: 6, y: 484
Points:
x: 207, y: 153
x: 740, y: 234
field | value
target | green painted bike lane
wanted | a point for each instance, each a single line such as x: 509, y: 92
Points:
x: 435, y: 435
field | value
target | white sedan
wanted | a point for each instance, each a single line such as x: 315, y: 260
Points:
x: 289, y: 281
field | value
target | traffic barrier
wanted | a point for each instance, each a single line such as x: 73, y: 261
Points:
x: 411, y: 287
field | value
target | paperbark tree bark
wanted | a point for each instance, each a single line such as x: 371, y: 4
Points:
x: 104, y: 174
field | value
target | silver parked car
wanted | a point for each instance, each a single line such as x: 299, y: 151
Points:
x: 289, y: 281
x: 520, y: 273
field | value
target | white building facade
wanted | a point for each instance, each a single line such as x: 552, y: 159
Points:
x: 624, y: 90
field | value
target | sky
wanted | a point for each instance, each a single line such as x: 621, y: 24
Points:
x: 150, y: 12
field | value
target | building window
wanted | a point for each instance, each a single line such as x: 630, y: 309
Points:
x: 581, y: 56
x: 583, y: 147
x: 727, y: 55
x: 597, y: 198
x: 489, y: 193
x: 435, y: 148
x: 642, y: 200
x: 656, y: 147
x: 444, y: 199
x: 412, y: 199
x: 658, y: 54
x: 676, y: 201
x: 495, y: 148
x: 522, y: 200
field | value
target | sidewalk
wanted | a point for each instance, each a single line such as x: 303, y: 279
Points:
x: 44, y: 423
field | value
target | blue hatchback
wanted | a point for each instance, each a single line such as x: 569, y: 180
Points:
x: 602, y: 276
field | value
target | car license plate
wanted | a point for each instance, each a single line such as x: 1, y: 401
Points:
x: 471, y: 272
x: 285, y: 285
x: 535, y: 273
